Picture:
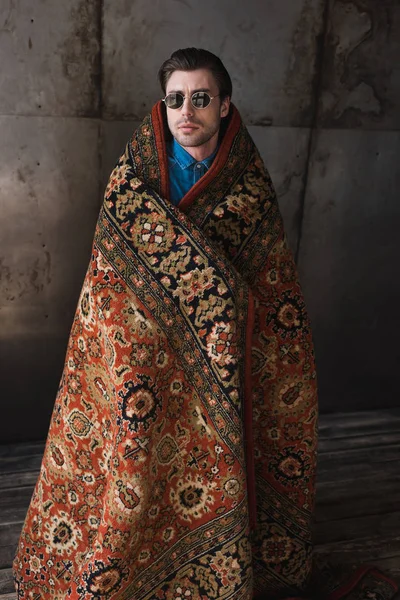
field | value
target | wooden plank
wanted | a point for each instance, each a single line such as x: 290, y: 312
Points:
x: 359, y: 455
x: 364, y: 550
x: 7, y: 554
x: 15, y: 495
x: 364, y: 462
x: 9, y: 535
x: 13, y: 480
x: 14, y: 596
x: 358, y: 487
x: 353, y: 505
x: 13, y: 514
x: 6, y: 581
x: 17, y: 464
x: 378, y: 472
x: 354, y: 423
x: 334, y: 509
x: 382, y: 525
x: 359, y: 441
x: 383, y: 479
x: 22, y: 449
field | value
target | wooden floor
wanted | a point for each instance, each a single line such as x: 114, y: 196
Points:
x: 358, y: 492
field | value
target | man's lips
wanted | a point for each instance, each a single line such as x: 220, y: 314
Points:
x: 188, y: 126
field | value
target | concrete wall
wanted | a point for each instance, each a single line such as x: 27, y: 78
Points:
x: 316, y: 81
x: 49, y: 194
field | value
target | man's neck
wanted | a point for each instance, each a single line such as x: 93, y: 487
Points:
x: 202, y: 152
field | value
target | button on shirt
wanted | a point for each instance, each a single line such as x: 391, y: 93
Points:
x: 184, y: 170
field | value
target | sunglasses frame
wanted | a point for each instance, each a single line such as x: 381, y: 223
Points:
x: 191, y: 100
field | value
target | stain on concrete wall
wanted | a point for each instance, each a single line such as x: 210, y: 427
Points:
x: 50, y: 57
x: 361, y: 75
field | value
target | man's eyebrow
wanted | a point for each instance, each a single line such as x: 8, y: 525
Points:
x: 193, y: 92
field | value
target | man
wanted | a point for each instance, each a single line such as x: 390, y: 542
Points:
x: 180, y: 459
x: 194, y: 129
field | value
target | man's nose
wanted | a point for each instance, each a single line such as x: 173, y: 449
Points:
x: 187, y: 107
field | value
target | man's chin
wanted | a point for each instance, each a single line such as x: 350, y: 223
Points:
x: 189, y: 140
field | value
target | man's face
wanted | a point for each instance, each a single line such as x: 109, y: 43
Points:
x: 194, y: 127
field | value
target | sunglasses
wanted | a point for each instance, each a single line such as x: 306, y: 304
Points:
x: 198, y: 100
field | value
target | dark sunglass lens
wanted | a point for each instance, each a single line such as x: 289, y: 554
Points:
x: 174, y: 100
x: 201, y: 99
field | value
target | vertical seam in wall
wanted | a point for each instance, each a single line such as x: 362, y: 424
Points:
x: 320, y: 55
x: 100, y: 96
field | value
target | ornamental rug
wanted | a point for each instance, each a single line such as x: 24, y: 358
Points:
x: 180, y: 459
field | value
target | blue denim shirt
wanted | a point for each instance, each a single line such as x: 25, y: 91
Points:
x: 184, y: 170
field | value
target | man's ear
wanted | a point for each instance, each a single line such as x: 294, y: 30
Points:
x: 224, y: 109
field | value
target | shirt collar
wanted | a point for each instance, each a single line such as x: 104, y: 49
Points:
x: 184, y: 159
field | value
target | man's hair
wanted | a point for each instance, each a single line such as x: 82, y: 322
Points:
x: 190, y: 59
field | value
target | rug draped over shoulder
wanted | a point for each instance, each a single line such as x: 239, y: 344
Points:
x: 180, y: 459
